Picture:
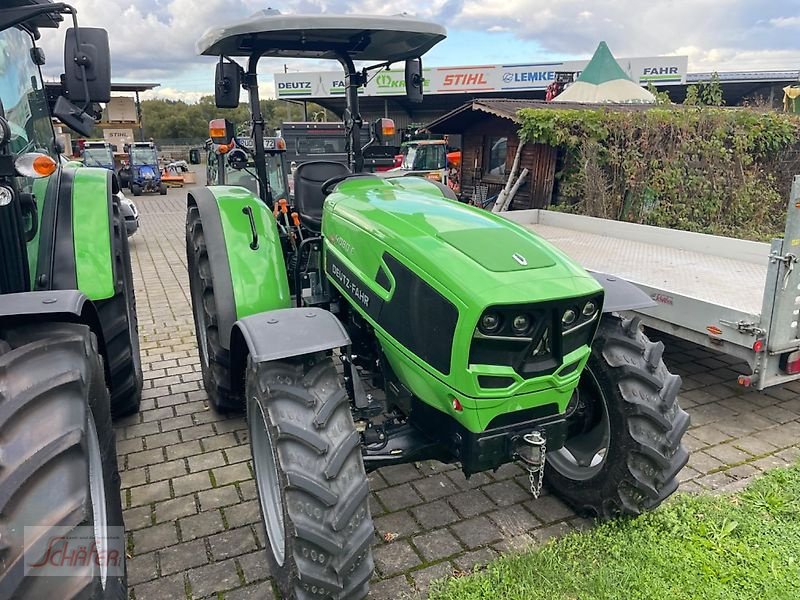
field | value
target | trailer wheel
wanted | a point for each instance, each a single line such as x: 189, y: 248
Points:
x: 120, y: 325
x: 310, y: 478
x: 59, y: 466
x: 215, y: 360
x: 623, y: 449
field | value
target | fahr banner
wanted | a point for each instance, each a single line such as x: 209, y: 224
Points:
x: 660, y: 70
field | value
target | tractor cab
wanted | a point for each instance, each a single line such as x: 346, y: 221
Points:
x: 144, y: 171
x: 234, y: 164
x: 98, y: 154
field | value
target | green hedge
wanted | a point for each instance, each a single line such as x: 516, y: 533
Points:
x: 712, y: 170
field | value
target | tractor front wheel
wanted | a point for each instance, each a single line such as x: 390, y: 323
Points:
x: 623, y: 450
x: 59, y: 485
x: 136, y: 189
x: 119, y: 322
x: 310, y: 478
x: 215, y: 360
x: 162, y: 189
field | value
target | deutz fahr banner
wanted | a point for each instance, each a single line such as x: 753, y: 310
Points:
x: 661, y: 70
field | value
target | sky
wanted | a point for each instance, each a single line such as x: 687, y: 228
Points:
x: 154, y: 40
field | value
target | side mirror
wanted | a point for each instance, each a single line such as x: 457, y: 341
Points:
x: 237, y: 159
x: 93, y: 54
x: 73, y: 117
x: 414, y: 80
x: 227, y: 81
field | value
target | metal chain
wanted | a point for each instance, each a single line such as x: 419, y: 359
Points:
x: 536, y: 474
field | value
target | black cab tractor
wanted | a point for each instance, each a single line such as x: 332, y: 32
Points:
x: 459, y: 335
x: 69, y: 352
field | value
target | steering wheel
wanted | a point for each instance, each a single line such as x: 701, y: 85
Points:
x: 327, y: 186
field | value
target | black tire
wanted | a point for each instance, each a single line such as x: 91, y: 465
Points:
x: 120, y: 327
x: 322, y: 488
x: 162, y: 189
x: 53, y: 398
x: 136, y: 189
x: 215, y: 360
x: 626, y: 383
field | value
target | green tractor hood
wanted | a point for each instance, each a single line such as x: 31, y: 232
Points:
x: 470, y: 252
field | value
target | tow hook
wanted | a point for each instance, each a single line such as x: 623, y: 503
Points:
x: 531, y: 450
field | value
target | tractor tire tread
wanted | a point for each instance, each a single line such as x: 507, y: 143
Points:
x: 119, y: 324
x: 50, y: 375
x: 329, y: 530
x: 216, y: 365
x: 643, y: 463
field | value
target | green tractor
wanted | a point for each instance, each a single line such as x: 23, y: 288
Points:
x: 69, y: 355
x: 459, y: 336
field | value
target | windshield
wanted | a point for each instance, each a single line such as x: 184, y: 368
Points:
x: 22, y: 95
x: 315, y: 144
x: 143, y: 156
x: 424, y: 157
x: 246, y: 178
x: 97, y: 157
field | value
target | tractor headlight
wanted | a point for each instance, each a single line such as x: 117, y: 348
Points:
x: 589, y: 309
x: 490, y: 322
x: 520, y: 324
x: 569, y: 317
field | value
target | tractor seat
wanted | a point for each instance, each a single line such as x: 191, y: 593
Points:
x: 308, y: 196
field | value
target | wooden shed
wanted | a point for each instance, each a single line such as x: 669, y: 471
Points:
x: 489, y: 144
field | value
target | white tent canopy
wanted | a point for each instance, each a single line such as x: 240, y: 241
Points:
x: 604, y: 82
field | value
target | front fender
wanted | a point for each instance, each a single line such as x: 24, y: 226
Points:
x: 247, y: 280
x: 280, y: 334
x: 621, y: 294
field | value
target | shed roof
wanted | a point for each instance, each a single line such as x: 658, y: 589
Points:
x: 469, y: 113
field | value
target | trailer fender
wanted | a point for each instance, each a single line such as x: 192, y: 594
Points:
x: 248, y: 270
x: 621, y: 294
x: 284, y: 333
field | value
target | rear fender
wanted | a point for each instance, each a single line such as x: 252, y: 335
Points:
x: 280, y: 334
x: 621, y: 294
x: 71, y: 306
x: 249, y: 278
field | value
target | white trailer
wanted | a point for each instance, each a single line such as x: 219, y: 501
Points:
x: 739, y: 297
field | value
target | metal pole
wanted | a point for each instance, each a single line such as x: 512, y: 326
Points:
x: 352, y: 118
x: 251, y: 85
x: 305, y: 111
x: 139, y: 116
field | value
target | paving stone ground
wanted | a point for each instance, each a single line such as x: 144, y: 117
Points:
x: 191, y: 510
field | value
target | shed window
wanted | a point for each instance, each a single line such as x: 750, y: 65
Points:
x: 496, y: 153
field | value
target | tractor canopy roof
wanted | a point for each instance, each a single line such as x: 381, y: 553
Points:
x: 24, y: 13
x: 362, y: 37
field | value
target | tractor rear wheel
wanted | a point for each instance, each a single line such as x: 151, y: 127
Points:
x: 623, y: 450
x: 310, y: 477
x: 120, y: 327
x: 59, y: 467
x: 215, y: 360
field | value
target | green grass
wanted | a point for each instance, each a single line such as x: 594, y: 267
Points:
x: 739, y: 547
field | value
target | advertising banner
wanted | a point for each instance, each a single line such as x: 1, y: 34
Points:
x: 660, y: 70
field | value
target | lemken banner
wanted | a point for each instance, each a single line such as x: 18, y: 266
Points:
x: 661, y: 70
